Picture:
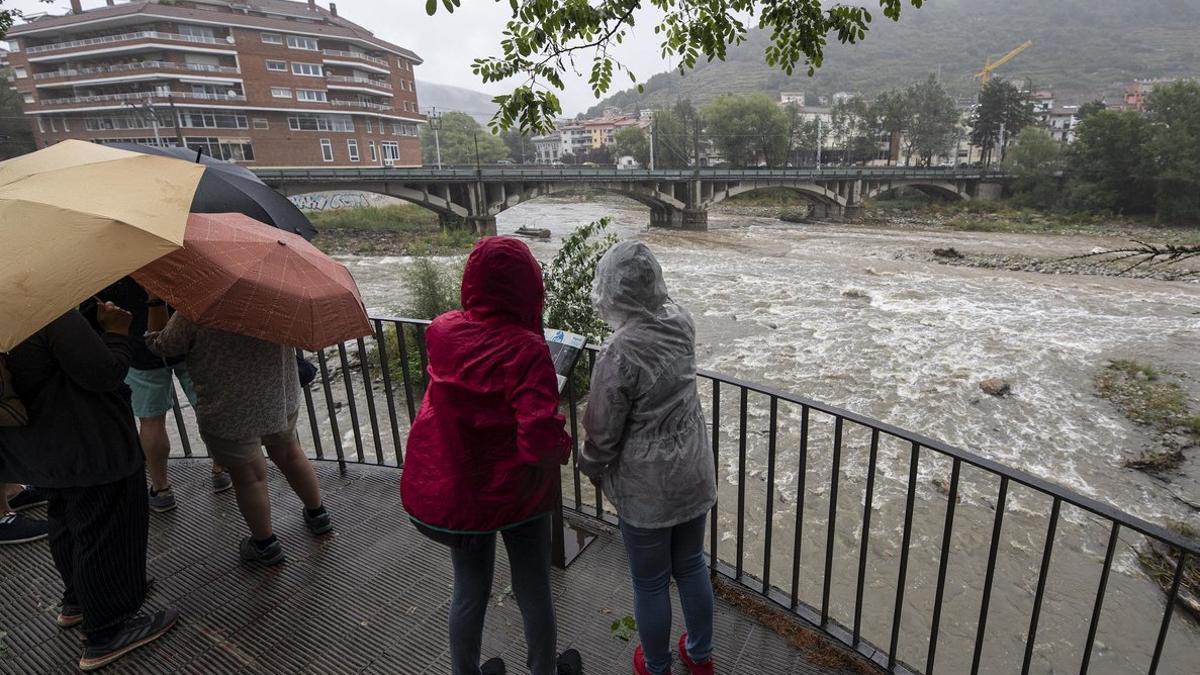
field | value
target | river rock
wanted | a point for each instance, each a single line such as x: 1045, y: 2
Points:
x: 995, y: 386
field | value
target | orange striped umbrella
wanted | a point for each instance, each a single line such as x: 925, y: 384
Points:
x: 242, y: 276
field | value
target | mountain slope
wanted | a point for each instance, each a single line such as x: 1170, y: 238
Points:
x: 448, y: 98
x: 1081, y: 48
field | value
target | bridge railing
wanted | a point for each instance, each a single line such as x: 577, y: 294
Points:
x: 497, y: 173
x: 812, y: 502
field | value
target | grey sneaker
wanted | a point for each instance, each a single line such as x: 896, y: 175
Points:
x: 138, y: 630
x: 162, y: 501
x: 263, y: 557
x: 69, y: 615
x: 221, y: 482
x: 318, y: 524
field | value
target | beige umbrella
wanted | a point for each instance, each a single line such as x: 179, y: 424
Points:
x: 76, y: 217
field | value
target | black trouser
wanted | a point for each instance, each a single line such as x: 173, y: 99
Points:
x: 98, y: 540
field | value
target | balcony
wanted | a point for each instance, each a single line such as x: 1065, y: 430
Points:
x: 356, y: 56
x: 143, y: 66
x: 365, y: 105
x: 127, y: 37
x: 140, y: 96
x: 357, y: 82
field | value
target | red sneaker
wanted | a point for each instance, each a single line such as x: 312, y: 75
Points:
x: 706, y: 668
x: 639, y: 662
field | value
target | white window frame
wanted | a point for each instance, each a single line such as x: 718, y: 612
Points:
x: 294, y: 42
x: 265, y: 123
x: 312, y: 95
x: 374, y: 153
x: 352, y: 149
x: 283, y: 66
x: 315, y: 69
x: 41, y: 125
x: 278, y: 92
x: 326, y: 150
x: 20, y: 73
x: 27, y: 97
x: 272, y: 38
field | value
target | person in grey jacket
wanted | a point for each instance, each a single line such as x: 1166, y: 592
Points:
x: 648, y: 448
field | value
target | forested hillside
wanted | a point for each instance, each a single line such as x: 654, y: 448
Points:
x: 1082, y: 48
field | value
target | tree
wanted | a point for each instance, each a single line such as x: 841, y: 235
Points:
x: 1108, y: 166
x: 1091, y: 108
x: 672, y: 136
x: 16, y: 136
x: 569, y: 281
x: 458, y: 135
x: 601, y: 155
x: 934, y: 122
x: 893, y: 113
x: 631, y: 142
x: 854, y: 123
x: 1175, y: 114
x: 1034, y: 161
x: 748, y: 130
x: 520, y: 148
x: 1002, y: 110
x: 542, y: 39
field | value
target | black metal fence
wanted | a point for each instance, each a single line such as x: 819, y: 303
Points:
x: 812, y: 499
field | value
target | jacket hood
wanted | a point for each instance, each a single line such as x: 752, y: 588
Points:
x: 503, y: 279
x: 629, y: 283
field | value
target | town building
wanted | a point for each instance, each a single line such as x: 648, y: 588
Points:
x: 787, y: 98
x: 547, y: 149
x: 1061, y: 123
x: 267, y: 83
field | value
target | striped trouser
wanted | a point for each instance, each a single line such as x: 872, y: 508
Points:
x: 98, y: 540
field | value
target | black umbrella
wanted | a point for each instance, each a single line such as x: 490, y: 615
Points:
x: 226, y: 187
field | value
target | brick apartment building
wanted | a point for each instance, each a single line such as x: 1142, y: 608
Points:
x: 266, y: 83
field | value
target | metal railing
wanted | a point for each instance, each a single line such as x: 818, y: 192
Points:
x: 375, y: 385
x: 127, y: 37
x: 341, y: 53
x: 140, y: 96
x: 134, y: 67
x: 342, y: 79
x: 366, y: 105
x: 626, y: 175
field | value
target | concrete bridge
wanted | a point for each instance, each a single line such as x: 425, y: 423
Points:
x: 677, y: 198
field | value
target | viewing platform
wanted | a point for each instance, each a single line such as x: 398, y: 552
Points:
x: 371, y: 597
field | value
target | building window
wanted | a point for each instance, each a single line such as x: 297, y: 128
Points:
x: 320, y: 123
x: 272, y: 38
x: 20, y: 73
x: 261, y: 123
x: 370, y: 127
x: 281, y: 92
x: 14, y: 45
x: 41, y: 125
x: 219, y: 148
x: 371, y: 149
x: 311, y: 95
x: 352, y: 149
x: 299, y: 42
x: 391, y: 152
x: 28, y: 98
x: 197, y: 31
x: 277, y: 66
x: 66, y: 127
x: 201, y: 119
x: 53, y: 126
x: 326, y: 149
x: 307, y: 69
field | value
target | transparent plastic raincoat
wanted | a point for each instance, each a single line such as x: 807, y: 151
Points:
x: 647, y: 444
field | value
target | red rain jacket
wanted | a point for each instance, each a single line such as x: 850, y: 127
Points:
x: 484, y: 451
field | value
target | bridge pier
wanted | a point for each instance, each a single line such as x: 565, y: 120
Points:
x: 679, y: 219
x: 823, y: 211
x: 484, y: 226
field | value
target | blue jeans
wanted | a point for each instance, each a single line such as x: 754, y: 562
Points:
x: 474, y: 558
x: 655, y: 555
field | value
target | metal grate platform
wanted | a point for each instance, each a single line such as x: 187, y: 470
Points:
x: 370, y: 598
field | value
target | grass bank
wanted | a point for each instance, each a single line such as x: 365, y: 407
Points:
x: 1154, y: 400
x: 399, y: 229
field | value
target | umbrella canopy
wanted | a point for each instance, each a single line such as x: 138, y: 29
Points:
x: 229, y: 188
x: 75, y: 217
x: 236, y: 275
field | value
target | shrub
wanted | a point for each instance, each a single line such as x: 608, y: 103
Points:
x: 569, y: 281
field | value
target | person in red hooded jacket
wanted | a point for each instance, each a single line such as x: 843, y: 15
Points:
x: 484, y: 451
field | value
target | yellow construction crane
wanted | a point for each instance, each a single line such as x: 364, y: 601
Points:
x: 986, y: 74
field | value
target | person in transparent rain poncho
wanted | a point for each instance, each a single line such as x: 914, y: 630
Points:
x: 648, y: 449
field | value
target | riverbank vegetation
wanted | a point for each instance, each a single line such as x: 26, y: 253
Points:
x: 398, y: 229
x: 1154, y: 400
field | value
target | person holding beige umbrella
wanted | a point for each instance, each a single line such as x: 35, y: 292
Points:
x: 74, y: 218
x: 245, y: 296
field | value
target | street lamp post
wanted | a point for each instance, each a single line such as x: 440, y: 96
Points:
x: 435, y: 123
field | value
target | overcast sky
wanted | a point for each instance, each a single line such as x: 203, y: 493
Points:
x: 450, y: 42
